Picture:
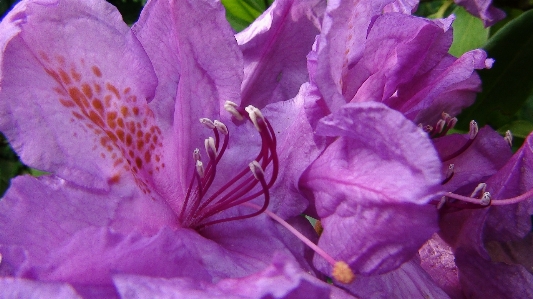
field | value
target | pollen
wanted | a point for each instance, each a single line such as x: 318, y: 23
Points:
x: 342, y: 273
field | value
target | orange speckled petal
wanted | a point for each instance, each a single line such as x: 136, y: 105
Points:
x: 75, y: 83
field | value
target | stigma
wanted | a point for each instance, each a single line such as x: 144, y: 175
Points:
x: 203, y: 204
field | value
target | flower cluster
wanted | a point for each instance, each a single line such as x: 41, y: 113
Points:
x: 180, y: 156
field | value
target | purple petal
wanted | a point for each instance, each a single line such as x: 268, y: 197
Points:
x: 21, y: 288
x: 341, y: 43
x: 475, y: 164
x: 371, y: 188
x: 482, y: 278
x: 404, y: 6
x: 511, y: 222
x: 39, y: 215
x: 408, y: 281
x: 392, y: 57
x: 428, y: 94
x: 483, y: 10
x: 281, y: 279
x: 77, y: 106
x: 199, y: 67
x: 438, y: 261
x: 275, y: 46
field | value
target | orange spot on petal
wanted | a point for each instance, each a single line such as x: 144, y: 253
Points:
x: 113, y: 89
x: 97, y: 104
x: 64, y: 77
x: 67, y: 103
x: 87, y: 90
x: 124, y: 111
x: 138, y: 162
x: 75, y: 75
x: 96, y: 71
x: 114, y: 179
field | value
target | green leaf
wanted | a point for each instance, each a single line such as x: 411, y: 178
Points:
x: 241, y: 13
x: 468, y: 32
x: 519, y: 128
x: 509, y: 84
x: 434, y: 9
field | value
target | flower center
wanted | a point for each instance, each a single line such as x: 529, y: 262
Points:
x: 202, y: 205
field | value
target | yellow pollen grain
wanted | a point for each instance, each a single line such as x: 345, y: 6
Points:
x: 342, y: 272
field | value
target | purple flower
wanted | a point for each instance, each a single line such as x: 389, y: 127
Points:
x: 375, y: 182
x: 475, y: 230
x: 130, y: 204
x: 397, y: 59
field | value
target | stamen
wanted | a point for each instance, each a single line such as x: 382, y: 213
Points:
x: 207, y: 122
x: 509, y: 138
x: 341, y: 270
x: 441, y: 203
x: 233, y: 109
x: 196, y: 155
x: 449, y: 174
x: 439, y: 127
x: 450, y: 124
x: 259, y: 175
x: 200, y: 168
x: 221, y: 127
x: 257, y: 171
x: 210, y: 148
x: 200, y: 204
x: 427, y: 128
x: 480, y: 189
x: 472, y: 132
x: 255, y: 116
x: 485, y: 200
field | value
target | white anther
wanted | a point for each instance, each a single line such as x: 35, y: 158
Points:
x: 509, y: 137
x: 451, y: 122
x: 450, y: 170
x: 257, y: 170
x: 485, y: 200
x: 200, y: 168
x: 479, y: 190
x: 472, y: 133
x: 221, y: 127
x: 427, y: 128
x: 196, y: 154
x: 207, y: 122
x: 232, y: 109
x: 255, y: 114
x: 441, y: 203
x: 445, y: 116
x: 210, y: 147
x: 440, y: 125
